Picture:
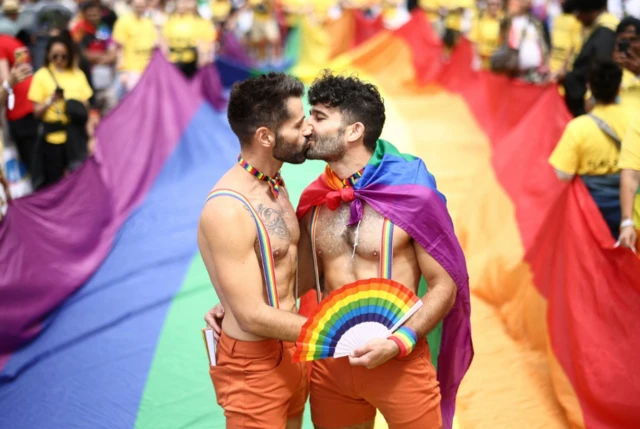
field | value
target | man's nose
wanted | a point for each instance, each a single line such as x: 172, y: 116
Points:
x: 307, y: 129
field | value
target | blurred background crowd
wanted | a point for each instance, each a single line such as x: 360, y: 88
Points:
x: 64, y: 64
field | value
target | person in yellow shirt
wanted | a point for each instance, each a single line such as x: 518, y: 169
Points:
x: 630, y: 163
x: 627, y: 33
x: 136, y: 36
x: 188, y: 39
x: 265, y: 32
x: 221, y: 11
x: 60, y: 93
x: 590, y: 144
x: 485, y: 32
x: 566, y: 40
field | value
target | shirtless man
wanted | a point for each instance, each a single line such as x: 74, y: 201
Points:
x: 248, y: 237
x: 347, y: 117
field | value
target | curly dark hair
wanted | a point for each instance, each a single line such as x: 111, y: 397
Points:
x: 604, y: 79
x: 357, y: 101
x: 261, y: 102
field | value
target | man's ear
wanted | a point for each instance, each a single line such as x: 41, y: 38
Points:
x: 265, y: 137
x: 355, y: 132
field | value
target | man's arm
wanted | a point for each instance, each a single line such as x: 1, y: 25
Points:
x: 437, y: 302
x: 227, y: 231
x: 629, y: 184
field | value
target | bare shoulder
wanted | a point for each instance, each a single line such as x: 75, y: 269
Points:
x: 226, y: 219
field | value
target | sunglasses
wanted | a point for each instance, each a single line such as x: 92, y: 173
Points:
x: 56, y: 57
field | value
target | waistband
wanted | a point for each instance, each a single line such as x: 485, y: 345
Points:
x: 251, y: 349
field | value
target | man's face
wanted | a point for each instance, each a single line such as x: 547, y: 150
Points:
x: 627, y: 42
x: 327, y: 140
x: 291, y: 138
x: 493, y: 7
x: 93, y: 16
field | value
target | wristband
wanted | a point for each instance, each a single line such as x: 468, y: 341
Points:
x: 406, y: 340
x: 627, y: 222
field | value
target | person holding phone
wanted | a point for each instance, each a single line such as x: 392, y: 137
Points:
x: 60, y: 93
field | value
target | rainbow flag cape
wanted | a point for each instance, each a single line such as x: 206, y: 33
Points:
x: 400, y: 188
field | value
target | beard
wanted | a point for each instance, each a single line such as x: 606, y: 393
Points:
x: 327, y: 148
x: 289, y: 152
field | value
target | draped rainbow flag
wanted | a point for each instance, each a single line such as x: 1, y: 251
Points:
x: 400, y: 188
x: 106, y: 338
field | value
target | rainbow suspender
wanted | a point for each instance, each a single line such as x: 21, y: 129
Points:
x: 266, y: 255
x: 386, y: 249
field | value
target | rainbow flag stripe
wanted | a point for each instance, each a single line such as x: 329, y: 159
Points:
x: 386, y: 250
x: 268, y: 265
x: 385, y: 301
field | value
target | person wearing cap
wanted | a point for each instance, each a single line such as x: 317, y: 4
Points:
x: 8, y: 23
x: 599, y: 43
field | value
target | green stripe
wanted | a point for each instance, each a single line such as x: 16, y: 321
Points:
x: 383, y: 148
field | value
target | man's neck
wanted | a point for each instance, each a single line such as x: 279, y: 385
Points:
x: 353, y: 161
x: 266, y: 165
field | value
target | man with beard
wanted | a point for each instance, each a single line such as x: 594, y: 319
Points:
x: 248, y: 233
x: 368, y: 187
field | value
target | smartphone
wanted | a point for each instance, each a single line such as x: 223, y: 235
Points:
x: 21, y: 55
x: 623, y: 46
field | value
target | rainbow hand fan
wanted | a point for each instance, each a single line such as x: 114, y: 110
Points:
x: 352, y: 316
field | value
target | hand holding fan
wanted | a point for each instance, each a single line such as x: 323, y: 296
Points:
x: 352, y: 316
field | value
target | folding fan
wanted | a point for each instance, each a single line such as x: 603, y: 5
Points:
x: 352, y: 316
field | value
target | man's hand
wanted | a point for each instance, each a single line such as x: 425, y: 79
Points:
x: 213, y: 318
x: 18, y: 73
x: 628, y: 238
x: 375, y: 353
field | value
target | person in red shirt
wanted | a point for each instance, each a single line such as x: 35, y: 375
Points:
x: 23, y: 126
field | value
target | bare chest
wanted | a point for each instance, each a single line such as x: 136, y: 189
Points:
x: 335, y: 238
x: 281, y: 224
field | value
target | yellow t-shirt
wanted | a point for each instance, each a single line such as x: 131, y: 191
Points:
x: 184, y: 34
x: 75, y: 86
x: 453, y: 21
x: 584, y: 149
x: 630, y: 154
x: 220, y: 10
x: 566, y: 42
x: 630, y: 91
x: 485, y: 33
x: 138, y: 37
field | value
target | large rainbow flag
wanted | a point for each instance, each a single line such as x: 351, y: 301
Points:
x: 102, y: 291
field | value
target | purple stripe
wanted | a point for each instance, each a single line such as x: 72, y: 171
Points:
x: 421, y: 212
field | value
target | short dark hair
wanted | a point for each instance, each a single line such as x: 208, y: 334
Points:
x: 64, y: 39
x: 627, y: 22
x: 604, y: 81
x: 589, y: 5
x: 261, y: 102
x: 357, y: 101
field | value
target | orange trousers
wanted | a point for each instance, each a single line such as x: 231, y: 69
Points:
x: 405, y: 390
x: 257, y: 385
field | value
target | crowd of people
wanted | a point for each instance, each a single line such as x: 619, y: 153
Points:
x: 588, y: 47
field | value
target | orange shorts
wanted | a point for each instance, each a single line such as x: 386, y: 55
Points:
x: 405, y: 390
x: 257, y: 385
